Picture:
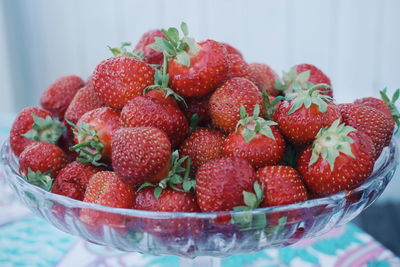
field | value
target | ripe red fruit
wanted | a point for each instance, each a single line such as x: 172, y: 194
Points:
x: 57, y: 97
x: 207, y: 69
x: 283, y: 185
x: 256, y: 140
x: 202, y: 146
x: 264, y: 77
x: 304, y: 113
x: 197, y: 106
x: 93, y: 135
x: 22, y: 124
x: 73, y: 179
x: 44, y: 157
x: 85, y: 100
x: 146, y: 111
x: 341, y: 158
x: 117, y: 80
x: 150, y: 55
x: 238, y: 67
x: 376, y: 103
x: 106, y: 188
x: 220, y: 184
x: 301, y: 75
x: 231, y: 50
x: 225, y: 102
x: 140, y: 154
x: 370, y: 121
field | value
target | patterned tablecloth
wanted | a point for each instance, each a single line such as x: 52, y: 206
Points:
x: 26, y: 240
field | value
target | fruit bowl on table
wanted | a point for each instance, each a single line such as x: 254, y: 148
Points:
x: 201, y: 234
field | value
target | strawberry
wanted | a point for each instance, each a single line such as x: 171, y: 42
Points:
x: 65, y: 142
x: 264, y: 77
x: 117, y: 80
x: 304, y: 113
x: 93, y: 134
x: 231, y: 50
x: 370, y: 121
x: 106, y: 188
x: 197, y: 106
x: 195, y: 69
x: 220, y: 183
x: 34, y: 124
x: 44, y: 157
x: 340, y: 158
x: 169, y: 201
x: 238, y: 67
x: 226, y: 101
x: 73, y: 179
x: 150, y: 55
x: 149, y: 111
x: 256, y: 140
x: 283, y: 185
x: 57, y: 97
x: 140, y: 154
x: 301, y: 75
x: 85, y: 100
x: 386, y: 105
x: 202, y: 146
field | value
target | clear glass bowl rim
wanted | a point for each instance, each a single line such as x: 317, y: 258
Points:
x: 379, y: 172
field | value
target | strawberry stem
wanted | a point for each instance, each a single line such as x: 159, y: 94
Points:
x: 46, y: 129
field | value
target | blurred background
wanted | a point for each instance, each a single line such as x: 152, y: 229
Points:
x: 356, y: 43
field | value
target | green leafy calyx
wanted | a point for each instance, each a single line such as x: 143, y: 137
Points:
x: 177, y: 179
x: 270, y: 106
x: 123, y: 51
x: 43, y: 180
x: 292, y: 80
x: 89, y: 146
x: 253, y: 125
x: 246, y: 220
x: 175, y: 46
x: 307, y: 97
x: 330, y: 141
x: 46, y: 130
x: 391, y: 103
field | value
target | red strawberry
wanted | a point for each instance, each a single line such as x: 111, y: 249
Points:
x: 226, y: 101
x: 370, y: 121
x: 231, y: 50
x: 256, y: 140
x: 195, y: 69
x: 57, y: 97
x: 386, y: 105
x: 283, y: 185
x: 73, y: 179
x: 220, y: 184
x: 197, y: 106
x: 202, y: 146
x: 264, y: 77
x: 162, y: 96
x: 107, y: 189
x: 341, y: 158
x: 117, y: 80
x: 238, y: 67
x: 46, y: 129
x: 147, y: 111
x: 93, y: 134
x: 301, y: 75
x: 150, y: 55
x: 169, y: 201
x: 141, y: 154
x: 44, y: 157
x: 85, y: 100
x: 304, y: 113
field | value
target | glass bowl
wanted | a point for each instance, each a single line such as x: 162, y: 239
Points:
x: 200, y: 234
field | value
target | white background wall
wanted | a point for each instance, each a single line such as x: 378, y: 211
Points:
x: 357, y: 42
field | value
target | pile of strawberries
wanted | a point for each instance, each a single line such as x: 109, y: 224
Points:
x: 178, y: 125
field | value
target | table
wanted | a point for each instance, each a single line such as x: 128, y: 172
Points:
x: 27, y: 240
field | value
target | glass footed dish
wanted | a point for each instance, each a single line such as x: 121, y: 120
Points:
x: 200, y: 234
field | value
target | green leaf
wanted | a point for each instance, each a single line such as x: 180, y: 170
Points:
x: 145, y: 184
x: 267, y: 131
x: 304, y: 77
x: 183, y: 58
x: 256, y: 111
x: 243, y: 113
x: 184, y: 29
x: 42, y: 180
x: 157, y: 192
x: 249, y: 199
x: 248, y: 135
